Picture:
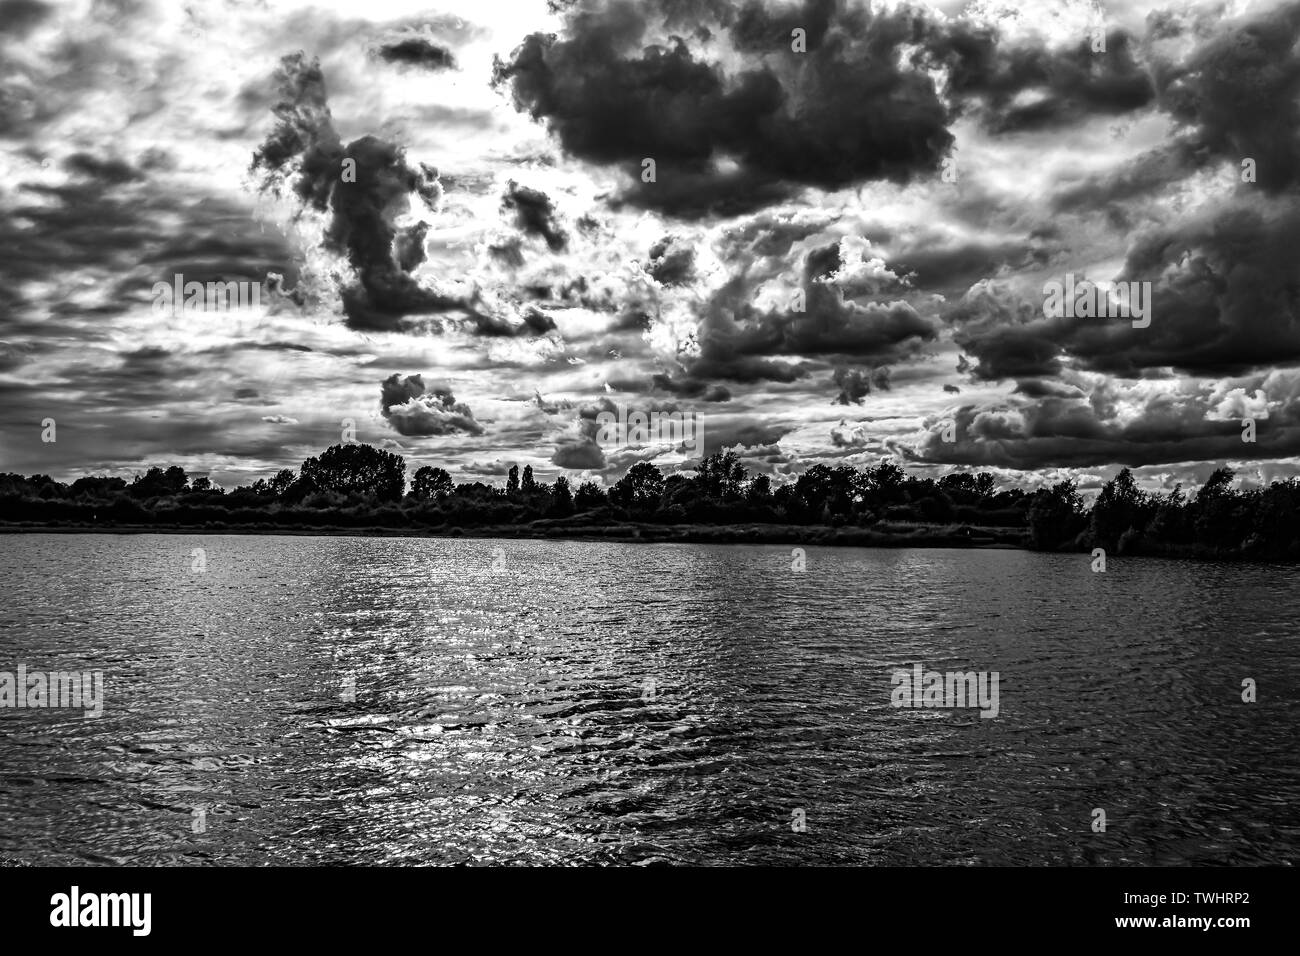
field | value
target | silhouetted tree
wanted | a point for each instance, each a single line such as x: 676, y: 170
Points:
x: 1121, y: 505
x: 175, y: 480
x: 430, y: 483
x: 640, y: 487
x: 155, y: 483
x: 282, y: 482
x: 358, y: 468
x: 357, y: 485
x: 885, y: 483
x: 720, y: 475
x: 1215, y: 509
x: 590, y: 496
x: 96, y: 486
x: 562, y: 497
x: 1054, y: 515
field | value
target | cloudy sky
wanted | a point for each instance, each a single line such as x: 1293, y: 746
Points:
x: 843, y: 246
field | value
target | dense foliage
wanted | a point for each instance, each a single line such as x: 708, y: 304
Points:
x: 356, y: 485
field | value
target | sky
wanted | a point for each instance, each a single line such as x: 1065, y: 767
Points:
x: 840, y: 257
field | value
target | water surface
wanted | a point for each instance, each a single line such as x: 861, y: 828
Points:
x: 638, y: 703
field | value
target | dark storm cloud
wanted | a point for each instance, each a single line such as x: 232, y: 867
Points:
x: 766, y: 459
x: 1071, y: 433
x: 932, y: 262
x: 856, y: 384
x: 14, y: 355
x: 858, y: 105
x: 217, y: 240
x: 1013, y: 351
x: 1041, y: 388
x: 671, y: 262
x: 413, y: 409
x: 631, y: 319
x: 409, y: 246
x: 509, y: 252
x: 829, y: 324
x: 1236, y: 95
x: 578, y: 456
x: 491, y: 469
x: 847, y: 114
x: 68, y: 228
x: 1225, y: 298
x: 745, y: 432
x: 534, y: 321
x: 683, y: 387
x: 20, y: 16
x: 1239, y: 91
x: 771, y: 234
x: 580, y: 451
x: 714, y: 363
x: 534, y: 214
x: 107, y: 170
x: 1225, y: 281
x: 760, y: 27
x: 1067, y: 85
x: 417, y: 51
x: 696, y: 193
x: 1142, y: 176
x: 822, y: 262
x: 691, y: 388
x: 146, y: 377
x: 115, y: 223
x: 305, y: 148
x: 740, y: 342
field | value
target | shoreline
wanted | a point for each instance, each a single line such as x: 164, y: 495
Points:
x: 962, y: 537
x: 815, y: 535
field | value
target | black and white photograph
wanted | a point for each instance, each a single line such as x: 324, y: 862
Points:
x: 857, y: 434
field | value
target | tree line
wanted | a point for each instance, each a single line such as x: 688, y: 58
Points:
x: 357, y: 485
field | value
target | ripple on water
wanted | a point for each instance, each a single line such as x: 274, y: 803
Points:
x: 364, y: 700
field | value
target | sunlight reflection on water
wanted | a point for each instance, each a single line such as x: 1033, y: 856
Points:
x: 504, y: 718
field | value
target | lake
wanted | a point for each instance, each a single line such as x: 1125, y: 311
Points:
x: 331, y: 700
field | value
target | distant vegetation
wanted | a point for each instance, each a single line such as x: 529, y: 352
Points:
x: 358, y: 486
